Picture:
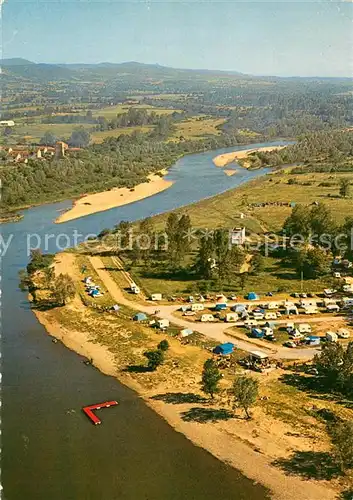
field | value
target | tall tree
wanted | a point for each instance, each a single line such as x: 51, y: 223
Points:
x: 63, y: 289
x: 155, y: 358
x: 245, y: 391
x: 80, y: 138
x: 204, y: 260
x: 48, y: 139
x: 345, y: 187
x: 210, y: 378
x: 321, y: 220
x: 298, y: 223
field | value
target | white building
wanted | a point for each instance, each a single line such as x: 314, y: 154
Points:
x: 237, y: 236
x: 7, y: 123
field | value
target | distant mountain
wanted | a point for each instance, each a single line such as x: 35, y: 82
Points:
x: 28, y: 70
x: 16, y: 61
x: 105, y: 71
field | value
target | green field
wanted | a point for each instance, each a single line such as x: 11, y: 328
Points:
x: 111, y: 111
x: 197, y: 128
x: 35, y: 131
x: 223, y: 210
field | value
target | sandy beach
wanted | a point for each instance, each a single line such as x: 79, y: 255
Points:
x: 248, y: 446
x: 99, y: 202
x: 226, y: 158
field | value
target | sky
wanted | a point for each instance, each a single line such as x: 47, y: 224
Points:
x: 284, y: 38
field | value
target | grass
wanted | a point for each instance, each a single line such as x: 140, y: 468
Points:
x: 222, y: 210
x: 111, y: 111
x: 35, y: 131
x: 197, y: 128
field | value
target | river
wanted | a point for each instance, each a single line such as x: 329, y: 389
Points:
x: 49, y: 448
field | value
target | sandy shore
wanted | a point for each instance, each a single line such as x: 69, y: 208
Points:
x: 223, y: 160
x: 219, y: 439
x: 230, y: 172
x: 246, y: 445
x: 99, y: 202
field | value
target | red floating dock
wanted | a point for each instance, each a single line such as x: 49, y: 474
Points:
x: 88, y: 410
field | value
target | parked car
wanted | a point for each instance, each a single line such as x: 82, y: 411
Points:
x: 343, y: 333
x: 250, y: 322
x: 290, y: 343
x: 189, y: 313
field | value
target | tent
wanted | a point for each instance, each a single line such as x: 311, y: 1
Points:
x: 140, y: 317
x: 257, y: 333
x: 252, y: 296
x: 224, y: 349
x: 239, y: 308
x: 116, y: 307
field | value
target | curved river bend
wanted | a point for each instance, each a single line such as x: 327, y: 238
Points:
x: 50, y: 451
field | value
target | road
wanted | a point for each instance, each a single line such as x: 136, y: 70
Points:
x: 215, y: 331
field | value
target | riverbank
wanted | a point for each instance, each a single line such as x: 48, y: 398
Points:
x: 173, y: 391
x: 99, y: 202
x: 226, y: 158
x: 10, y: 217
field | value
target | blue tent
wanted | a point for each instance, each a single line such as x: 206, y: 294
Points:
x: 220, y: 307
x: 252, y: 296
x: 140, y: 317
x: 224, y: 349
x: 257, y: 333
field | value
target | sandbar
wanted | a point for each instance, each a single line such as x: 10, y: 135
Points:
x: 116, y: 197
x: 226, y: 158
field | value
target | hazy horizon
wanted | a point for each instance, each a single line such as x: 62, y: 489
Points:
x: 283, y: 38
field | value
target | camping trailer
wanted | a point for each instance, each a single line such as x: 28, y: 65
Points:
x: 162, y: 323
x: 156, y: 296
x: 232, y: 317
x: 186, y: 332
x: 333, y: 308
x: 304, y: 328
x: 331, y: 337
x: 206, y: 318
x: 197, y: 307
x: 343, y: 333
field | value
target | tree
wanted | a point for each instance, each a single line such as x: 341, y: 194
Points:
x: 39, y: 261
x: 63, y: 289
x: 80, y: 138
x: 163, y: 345
x: 155, y: 358
x: 257, y: 264
x: 321, y: 220
x: 345, y: 187
x: 48, y: 139
x: 298, y: 223
x: 204, y: 260
x: 27, y: 283
x: 221, y: 249
x: 245, y: 391
x: 347, y: 231
x: 210, y: 377
x: 313, y: 262
x: 342, y: 440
